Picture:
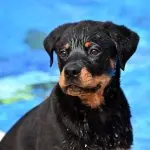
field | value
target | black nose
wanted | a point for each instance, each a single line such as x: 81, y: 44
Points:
x: 72, y: 71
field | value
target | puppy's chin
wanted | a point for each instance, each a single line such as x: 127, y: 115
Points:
x: 91, y: 97
x: 73, y: 90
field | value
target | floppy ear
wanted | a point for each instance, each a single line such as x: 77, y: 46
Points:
x: 125, y: 39
x: 52, y: 38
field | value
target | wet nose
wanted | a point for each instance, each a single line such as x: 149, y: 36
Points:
x: 72, y: 71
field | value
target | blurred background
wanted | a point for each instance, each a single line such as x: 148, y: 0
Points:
x: 25, y: 76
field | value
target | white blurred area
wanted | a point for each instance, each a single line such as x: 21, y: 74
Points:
x: 1, y: 135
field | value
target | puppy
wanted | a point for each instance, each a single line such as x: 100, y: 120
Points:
x: 87, y: 110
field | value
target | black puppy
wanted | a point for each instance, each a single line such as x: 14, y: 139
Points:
x: 87, y: 109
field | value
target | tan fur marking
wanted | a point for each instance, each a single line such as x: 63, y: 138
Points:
x: 66, y: 46
x: 88, y: 44
x: 86, y: 81
x: 112, y: 63
x: 96, y: 99
x: 85, y: 77
x: 92, y: 99
x: 62, y: 80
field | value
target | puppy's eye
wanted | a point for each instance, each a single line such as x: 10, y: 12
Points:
x: 94, y: 52
x: 63, y: 53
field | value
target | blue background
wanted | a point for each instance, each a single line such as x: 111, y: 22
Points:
x: 25, y: 76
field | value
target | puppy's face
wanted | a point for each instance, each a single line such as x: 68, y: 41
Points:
x: 86, y: 60
x: 87, y: 57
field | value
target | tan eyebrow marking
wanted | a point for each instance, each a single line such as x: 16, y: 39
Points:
x: 67, y: 46
x: 87, y: 44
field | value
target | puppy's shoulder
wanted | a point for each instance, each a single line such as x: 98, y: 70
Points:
x: 33, y: 125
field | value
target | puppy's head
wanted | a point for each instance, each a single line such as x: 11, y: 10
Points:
x: 88, y: 53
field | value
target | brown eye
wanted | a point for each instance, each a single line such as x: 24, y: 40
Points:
x: 63, y: 53
x: 94, y: 52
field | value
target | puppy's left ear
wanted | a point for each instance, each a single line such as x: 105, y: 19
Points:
x: 51, y: 40
x: 125, y: 39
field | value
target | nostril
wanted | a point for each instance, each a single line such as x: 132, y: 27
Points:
x: 74, y: 72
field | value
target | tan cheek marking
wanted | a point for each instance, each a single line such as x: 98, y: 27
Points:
x: 96, y: 99
x: 88, y: 81
x: 112, y: 63
x: 85, y: 77
x: 62, y: 79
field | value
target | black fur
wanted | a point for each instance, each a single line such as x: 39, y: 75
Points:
x: 62, y: 122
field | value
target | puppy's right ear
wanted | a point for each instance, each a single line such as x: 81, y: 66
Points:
x: 51, y: 40
x: 125, y: 39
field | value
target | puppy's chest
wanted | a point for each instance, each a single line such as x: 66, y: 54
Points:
x: 97, y: 143
x: 86, y: 143
x: 76, y: 138
x: 85, y: 137
x: 79, y: 138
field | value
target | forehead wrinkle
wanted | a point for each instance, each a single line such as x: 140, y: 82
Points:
x: 78, y: 41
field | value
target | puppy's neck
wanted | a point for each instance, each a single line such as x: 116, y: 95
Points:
x: 81, y: 120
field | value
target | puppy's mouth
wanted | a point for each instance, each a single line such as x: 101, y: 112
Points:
x: 79, y: 89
